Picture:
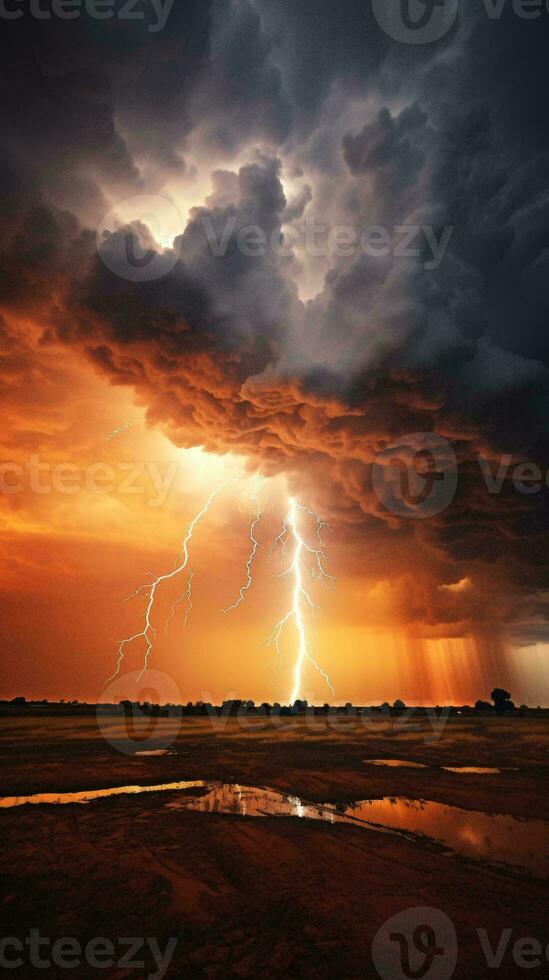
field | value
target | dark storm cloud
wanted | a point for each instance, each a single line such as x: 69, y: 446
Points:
x: 492, y: 169
x: 233, y: 302
x: 221, y: 348
x: 388, y: 150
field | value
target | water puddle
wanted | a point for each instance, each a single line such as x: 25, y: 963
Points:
x: 60, y: 799
x: 494, y: 837
x: 484, y: 771
x: 497, y: 838
x: 406, y: 764
x: 395, y: 763
x: 249, y: 801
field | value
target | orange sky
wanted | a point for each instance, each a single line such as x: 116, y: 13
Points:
x: 137, y: 164
x: 75, y: 543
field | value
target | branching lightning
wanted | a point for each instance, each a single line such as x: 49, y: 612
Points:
x: 123, y: 428
x: 148, y: 632
x: 255, y: 545
x: 306, y: 561
x: 301, y: 598
x: 188, y: 595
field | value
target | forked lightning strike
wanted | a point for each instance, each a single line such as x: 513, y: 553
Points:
x: 188, y: 595
x: 123, y: 428
x: 306, y: 560
x: 301, y: 596
x: 255, y: 545
x: 149, y: 631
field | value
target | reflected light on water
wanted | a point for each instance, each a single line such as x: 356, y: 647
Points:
x: 395, y: 763
x: 498, y: 838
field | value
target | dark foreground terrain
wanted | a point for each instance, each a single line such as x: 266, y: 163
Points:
x: 278, y: 896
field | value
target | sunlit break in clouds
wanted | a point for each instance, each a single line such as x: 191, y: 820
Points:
x: 274, y: 487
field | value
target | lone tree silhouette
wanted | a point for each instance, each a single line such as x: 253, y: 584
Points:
x: 502, y: 700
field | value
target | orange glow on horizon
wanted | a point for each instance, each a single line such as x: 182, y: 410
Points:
x: 106, y: 512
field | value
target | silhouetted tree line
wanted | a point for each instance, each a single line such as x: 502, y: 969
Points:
x: 501, y: 705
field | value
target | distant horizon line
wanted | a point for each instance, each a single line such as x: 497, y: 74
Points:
x: 397, y: 705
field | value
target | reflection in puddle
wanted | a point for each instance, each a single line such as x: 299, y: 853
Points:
x: 496, y: 838
x: 395, y: 763
x: 88, y: 796
x: 475, y: 769
x: 406, y: 764
x: 249, y: 801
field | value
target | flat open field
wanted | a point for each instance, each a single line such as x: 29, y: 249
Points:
x: 277, y: 895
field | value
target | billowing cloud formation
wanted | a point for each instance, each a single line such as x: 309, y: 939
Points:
x: 292, y: 112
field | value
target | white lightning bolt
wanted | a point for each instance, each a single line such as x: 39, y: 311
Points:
x: 123, y: 428
x: 188, y: 595
x: 300, y: 593
x: 255, y: 545
x: 148, y: 632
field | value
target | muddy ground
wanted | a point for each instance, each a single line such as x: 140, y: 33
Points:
x: 273, y: 897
